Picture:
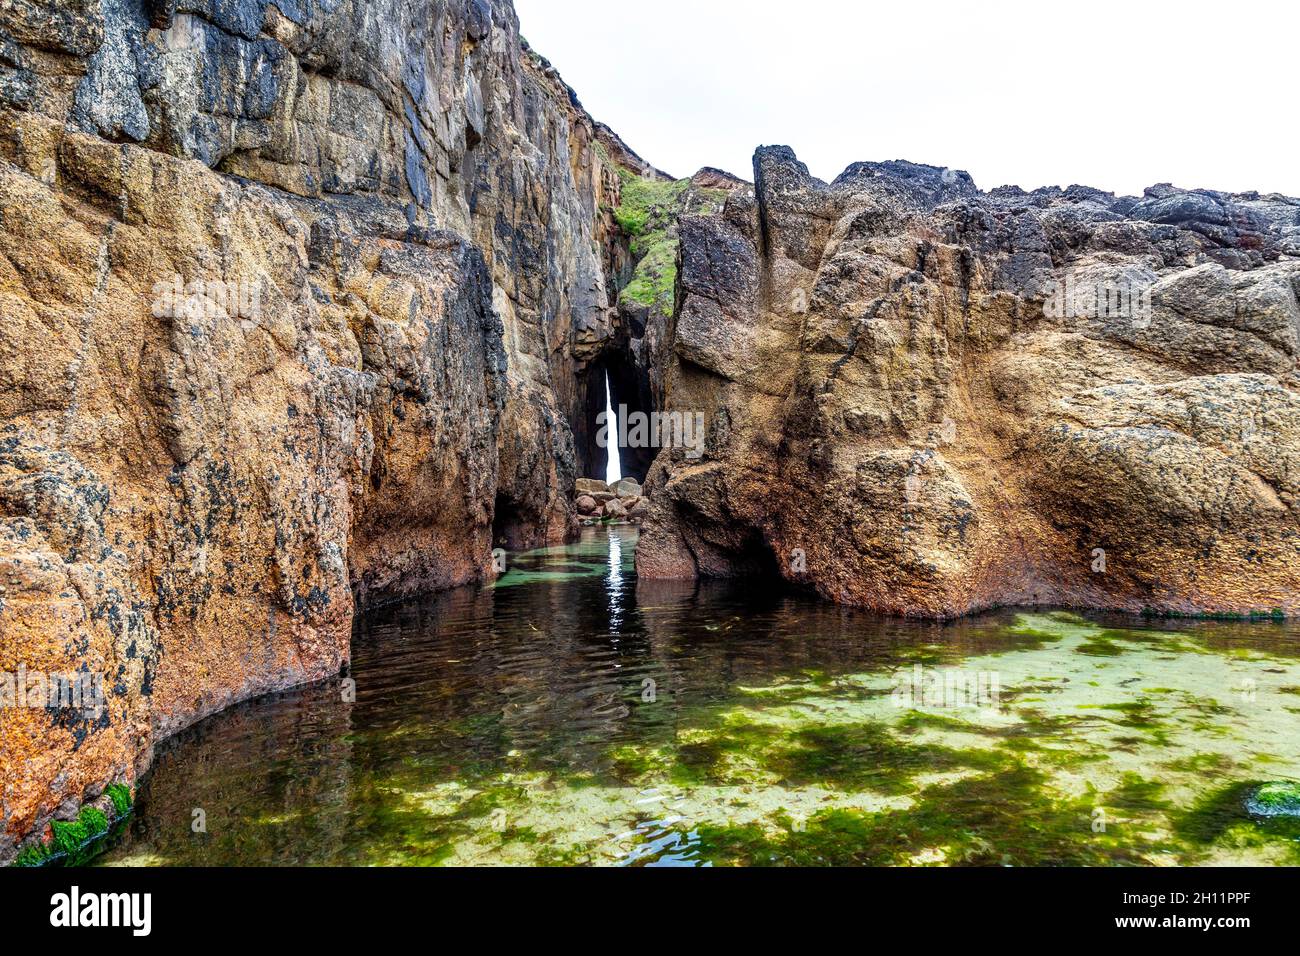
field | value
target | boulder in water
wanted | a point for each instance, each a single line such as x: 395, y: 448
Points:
x: 1275, y: 800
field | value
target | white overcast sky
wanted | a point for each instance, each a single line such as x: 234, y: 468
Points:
x: 1117, y: 95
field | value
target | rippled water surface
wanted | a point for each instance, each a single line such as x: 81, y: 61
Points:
x: 571, y: 716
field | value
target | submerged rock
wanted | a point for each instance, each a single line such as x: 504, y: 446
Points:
x: 1275, y: 800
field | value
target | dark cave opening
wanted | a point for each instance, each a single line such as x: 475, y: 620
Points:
x: 511, y: 528
x: 629, y: 391
x: 752, y: 559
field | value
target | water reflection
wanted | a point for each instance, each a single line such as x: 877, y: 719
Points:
x: 615, y: 579
x: 512, y: 725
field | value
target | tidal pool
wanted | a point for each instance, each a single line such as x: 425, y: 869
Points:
x: 571, y: 715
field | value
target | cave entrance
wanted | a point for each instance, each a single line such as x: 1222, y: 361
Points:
x: 510, y: 529
x: 614, y: 383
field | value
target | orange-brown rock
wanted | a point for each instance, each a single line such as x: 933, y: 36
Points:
x: 297, y: 300
x: 927, y: 400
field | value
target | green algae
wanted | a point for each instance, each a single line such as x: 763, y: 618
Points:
x: 1040, y: 629
x: 1222, y: 819
x: 630, y: 763
x: 915, y: 720
x: 120, y: 795
x: 1209, y: 763
x: 866, y: 757
x: 69, y: 839
x: 76, y: 842
x: 551, y: 574
x: 562, y: 564
x: 1139, y: 795
x: 1002, y: 819
x: 1100, y: 648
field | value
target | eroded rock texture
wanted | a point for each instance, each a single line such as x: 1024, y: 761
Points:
x: 906, y: 414
x: 296, y: 301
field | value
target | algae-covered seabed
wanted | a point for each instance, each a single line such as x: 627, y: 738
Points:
x: 572, y: 716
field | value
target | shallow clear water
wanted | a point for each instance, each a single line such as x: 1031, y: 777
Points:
x: 571, y: 716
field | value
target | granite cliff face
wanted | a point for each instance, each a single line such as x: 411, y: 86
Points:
x: 300, y: 300
x: 927, y: 400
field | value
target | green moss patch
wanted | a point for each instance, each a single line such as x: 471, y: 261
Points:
x: 77, y: 842
x: 655, y: 282
x: 648, y: 211
x: 645, y: 201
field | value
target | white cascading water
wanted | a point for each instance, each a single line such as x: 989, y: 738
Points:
x: 614, y: 469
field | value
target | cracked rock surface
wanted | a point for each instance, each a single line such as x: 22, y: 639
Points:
x: 295, y: 300
x: 918, y: 403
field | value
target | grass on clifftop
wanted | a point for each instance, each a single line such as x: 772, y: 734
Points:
x: 647, y: 204
x: 655, y: 283
x: 648, y: 211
